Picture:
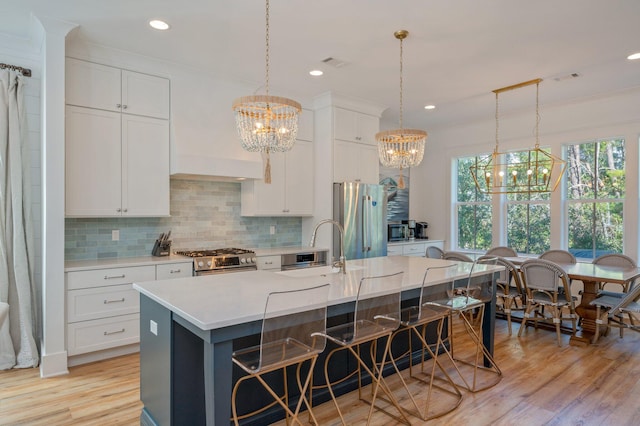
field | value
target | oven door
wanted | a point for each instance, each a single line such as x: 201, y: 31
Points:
x: 225, y: 270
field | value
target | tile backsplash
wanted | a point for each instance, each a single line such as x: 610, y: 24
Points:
x: 204, y: 214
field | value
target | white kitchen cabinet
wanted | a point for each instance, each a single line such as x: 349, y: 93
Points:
x: 102, y: 308
x: 394, y: 250
x: 116, y: 164
x: 99, y: 86
x: 413, y: 248
x: 290, y: 192
x: 355, y: 126
x: 267, y: 263
x: 355, y: 162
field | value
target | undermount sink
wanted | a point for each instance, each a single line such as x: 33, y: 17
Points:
x: 318, y: 271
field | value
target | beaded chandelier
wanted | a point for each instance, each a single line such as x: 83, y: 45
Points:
x: 401, y: 148
x: 266, y: 123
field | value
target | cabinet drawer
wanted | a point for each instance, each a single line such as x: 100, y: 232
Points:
x: 414, y: 249
x: 110, y: 276
x: 174, y: 270
x: 394, y: 250
x: 269, y: 262
x: 96, y: 335
x: 101, y: 302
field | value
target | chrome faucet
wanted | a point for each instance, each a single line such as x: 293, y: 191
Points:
x: 341, y: 263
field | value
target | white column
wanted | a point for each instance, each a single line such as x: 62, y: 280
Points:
x: 54, y: 355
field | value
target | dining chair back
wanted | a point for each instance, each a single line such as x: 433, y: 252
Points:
x: 510, y: 290
x: 434, y: 252
x: 543, y: 280
x: 457, y: 256
x: 502, y: 251
x: 618, y: 260
x: 559, y: 256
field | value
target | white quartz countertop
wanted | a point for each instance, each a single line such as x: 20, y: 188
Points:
x: 277, y: 251
x: 215, y: 301
x: 122, y: 262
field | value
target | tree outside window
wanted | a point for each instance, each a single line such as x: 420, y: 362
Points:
x: 595, y: 193
x: 473, y: 209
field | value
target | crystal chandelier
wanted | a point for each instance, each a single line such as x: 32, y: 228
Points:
x: 266, y: 123
x: 401, y: 148
x: 519, y: 172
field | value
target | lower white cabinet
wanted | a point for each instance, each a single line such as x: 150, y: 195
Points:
x: 266, y: 263
x: 103, y: 309
x: 412, y: 248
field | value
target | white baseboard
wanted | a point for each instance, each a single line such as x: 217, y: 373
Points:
x: 101, y: 355
x: 52, y: 365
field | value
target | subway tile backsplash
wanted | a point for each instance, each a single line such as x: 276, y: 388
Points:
x: 204, y: 214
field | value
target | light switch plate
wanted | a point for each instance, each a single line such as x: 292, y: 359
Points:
x: 153, y: 327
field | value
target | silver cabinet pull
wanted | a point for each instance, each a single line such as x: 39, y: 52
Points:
x: 118, y: 105
x: 124, y: 106
x: 113, y: 301
x: 108, y: 333
x: 113, y: 277
x: 175, y: 271
x: 118, y: 210
x: 125, y: 210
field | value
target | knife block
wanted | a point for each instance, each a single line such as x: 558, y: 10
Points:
x: 161, y: 249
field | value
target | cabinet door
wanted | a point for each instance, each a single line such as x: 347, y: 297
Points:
x: 144, y: 94
x: 93, y: 162
x: 299, y: 177
x: 345, y: 125
x: 174, y: 270
x: 416, y: 249
x: 92, y: 85
x: 345, y: 159
x: 368, y: 164
x: 270, y: 198
x: 145, y: 165
x: 368, y: 126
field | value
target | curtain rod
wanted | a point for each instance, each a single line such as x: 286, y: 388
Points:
x: 25, y: 71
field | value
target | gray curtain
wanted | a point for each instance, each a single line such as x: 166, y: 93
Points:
x: 17, y: 343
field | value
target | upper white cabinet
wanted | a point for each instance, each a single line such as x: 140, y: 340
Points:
x: 112, y: 89
x: 355, y: 154
x: 290, y: 192
x: 117, y: 154
x: 355, y: 126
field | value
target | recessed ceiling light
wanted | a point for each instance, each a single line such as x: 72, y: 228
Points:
x: 316, y: 73
x: 429, y: 107
x: 634, y: 56
x: 159, y: 25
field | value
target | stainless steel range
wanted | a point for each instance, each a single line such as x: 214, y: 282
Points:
x: 207, y: 262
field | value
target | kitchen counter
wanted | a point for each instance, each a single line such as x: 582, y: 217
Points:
x: 415, y: 241
x: 188, y: 327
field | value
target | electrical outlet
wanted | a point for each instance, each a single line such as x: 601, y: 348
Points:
x: 272, y: 229
x: 115, y: 235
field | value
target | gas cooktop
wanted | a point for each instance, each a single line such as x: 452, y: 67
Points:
x: 221, y: 260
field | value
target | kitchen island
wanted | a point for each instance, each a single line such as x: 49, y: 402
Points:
x: 189, y: 327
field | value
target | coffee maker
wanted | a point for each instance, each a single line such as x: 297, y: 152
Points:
x: 411, y: 225
x: 421, y: 230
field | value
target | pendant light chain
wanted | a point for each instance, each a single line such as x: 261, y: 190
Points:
x: 267, y: 50
x: 537, y: 115
x: 497, y: 123
x: 401, y: 81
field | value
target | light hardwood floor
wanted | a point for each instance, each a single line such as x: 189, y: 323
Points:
x: 542, y: 385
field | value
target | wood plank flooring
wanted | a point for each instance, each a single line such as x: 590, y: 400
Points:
x: 543, y: 384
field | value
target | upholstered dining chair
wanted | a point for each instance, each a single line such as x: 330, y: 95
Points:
x: 619, y: 260
x: 558, y: 256
x: 542, y: 280
x: 288, y: 338
x: 502, y: 251
x: 510, y: 289
x: 457, y: 256
x: 612, y: 309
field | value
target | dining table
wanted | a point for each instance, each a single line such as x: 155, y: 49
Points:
x: 590, y: 274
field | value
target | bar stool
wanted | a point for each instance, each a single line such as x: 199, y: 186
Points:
x: 288, y: 338
x: 414, y: 321
x: 376, y: 316
x: 464, y: 301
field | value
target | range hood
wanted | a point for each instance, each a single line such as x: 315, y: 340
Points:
x: 214, y: 168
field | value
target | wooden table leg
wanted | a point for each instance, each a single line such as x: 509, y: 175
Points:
x: 587, y: 313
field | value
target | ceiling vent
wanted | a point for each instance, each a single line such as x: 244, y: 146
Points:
x: 336, y: 63
x: 569, y: 76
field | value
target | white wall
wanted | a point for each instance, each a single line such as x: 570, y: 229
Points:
x: 603, y: 117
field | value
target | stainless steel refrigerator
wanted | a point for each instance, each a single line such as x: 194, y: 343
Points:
x: 362, y: 210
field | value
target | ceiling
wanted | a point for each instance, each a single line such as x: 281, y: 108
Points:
x: 457, y: 51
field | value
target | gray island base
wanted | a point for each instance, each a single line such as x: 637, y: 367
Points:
x: 189, y: 328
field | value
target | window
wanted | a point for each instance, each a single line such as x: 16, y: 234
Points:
x: 595, y: 197
x: 528, y: 217
x: 473, y: 209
